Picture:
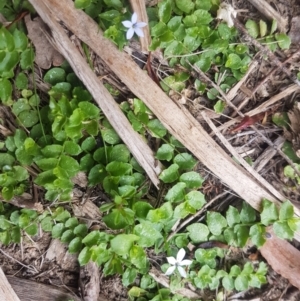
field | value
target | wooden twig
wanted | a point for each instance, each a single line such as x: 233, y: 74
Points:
x: 6, y: 291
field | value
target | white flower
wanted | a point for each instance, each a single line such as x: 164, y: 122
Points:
x: 134, y: 27
x: 226, y: 12
x: 178, y: 263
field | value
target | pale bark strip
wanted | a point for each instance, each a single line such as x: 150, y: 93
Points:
x: 110, y: 108
x: 6, y: 291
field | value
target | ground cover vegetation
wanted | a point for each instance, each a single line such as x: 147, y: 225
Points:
x: 65, y: 133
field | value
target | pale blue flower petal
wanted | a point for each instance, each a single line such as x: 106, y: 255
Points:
x: 130, y: 33
x: 170, y: 270
x: 171, y: 260
x: 180, y: 255
x: 140, y: 24
x: 185, y: 262
x: 139, y: 32
x: 181, y: 271
x: 134, y: 18
x: 127, y: 24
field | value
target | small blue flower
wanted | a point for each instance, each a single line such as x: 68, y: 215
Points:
x: 178, y: 263
x: 134, y: 27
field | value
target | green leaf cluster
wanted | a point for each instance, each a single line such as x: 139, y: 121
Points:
x: 237, y: 278
x: 14, y: 50
x: 268, y: 37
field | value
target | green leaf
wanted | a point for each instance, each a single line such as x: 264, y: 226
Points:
x: 294, y: 223
x: 233, y: 61
x: 122, y: 243
x: 257, y: 233
x: 75, y: 245
x: 72, y: 148
x: 160, y: 214
x: 88, y: 144
x: 72, y: 222
x: 228, y: 283
x: 170, y: 174
x: 269, y: 213
x: 90, y: 110
x: 84, y: 256
x: 156, y: 128
x: 117, y: 4
x: 82, y: 4
x: 81, y: 230
x: 129, y: 276
x: 286, y: 211
x: 21, y: 81
x: 47, y: 224
x: 6, y: 40
x: 69, y: 164
x: 92, y: 238
x: 252, y: 28
x: 219, y: 106
x: 159, y: 29
x: 192, y: 179
x: 52, y: 151
x: 27, y: 59
x: 97, y: 174
x: 185, y: 6
x: 7, y: 193
x: 282, y: 230
x: 262, y: 28
x: 20, y: 40
x: 176, y: 193
x: 174, y: 48
x: 28, y: 118
x: 273, y: 26
x: 215, y: 222
x: 242, y: 234
x: 119, y: 153
x: 247, y: 214
x: 119, y: 218
x: 174, y: 23
x: 55, y: 75
x: 164, y: 11
x: 148, y: 235
x: 203, y: 4
x: 57, y: 230
x: 283, y: 40
x: 6, y: 159
x: 198, y: 232
x: 165, y: 152
x: 185, y: 161
x: 110, y: 136
x: 67, y: 236
x: 141, y: 209
x: 118, y: 168
x: 241, y: 283
x: 232, y: 216
x: 5, y: 90
x: 138, y: 257
x: 195, y: 199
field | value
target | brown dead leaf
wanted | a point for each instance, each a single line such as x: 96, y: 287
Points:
x: 283, y: 258
x: 45, y: 54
